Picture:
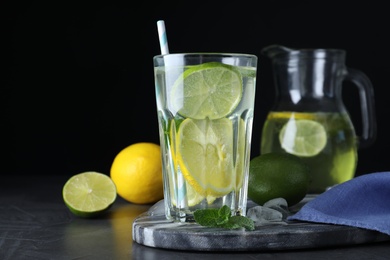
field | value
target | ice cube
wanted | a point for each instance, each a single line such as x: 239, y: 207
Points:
x: 264, y: 216
x: 158, y: 209
x: 279, y: 204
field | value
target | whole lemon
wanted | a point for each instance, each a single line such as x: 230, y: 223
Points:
x: 137, y: 173
x: 278, y: 175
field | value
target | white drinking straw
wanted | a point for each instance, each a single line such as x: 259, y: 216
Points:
x: 162, y: 35
x: 181, y: 184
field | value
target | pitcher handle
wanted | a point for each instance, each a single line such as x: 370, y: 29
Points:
x: 366, y: 95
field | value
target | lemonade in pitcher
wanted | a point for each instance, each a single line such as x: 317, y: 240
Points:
x: 309, y: 118
x: 205, y: 111
x: 325, y: 141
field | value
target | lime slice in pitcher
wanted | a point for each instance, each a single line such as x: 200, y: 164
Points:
x: 205, y: 156
x: 210, y: 90
x: 303, y: 137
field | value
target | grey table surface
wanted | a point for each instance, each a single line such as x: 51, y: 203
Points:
x: 35, y: 224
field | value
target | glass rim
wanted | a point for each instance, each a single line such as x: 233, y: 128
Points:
x: 311, y: 53
x: 208, y: 54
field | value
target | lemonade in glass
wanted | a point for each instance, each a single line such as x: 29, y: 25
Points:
x: 205, y: 104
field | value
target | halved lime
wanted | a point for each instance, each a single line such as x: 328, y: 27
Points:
x: 89, y: 194
x: 303, y: 137
x: 205, y: 155
x: 210, y: 90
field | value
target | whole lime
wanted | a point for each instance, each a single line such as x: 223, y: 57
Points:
x: 278, y: 175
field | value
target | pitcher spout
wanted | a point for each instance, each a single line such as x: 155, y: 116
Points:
x: 275, y: 49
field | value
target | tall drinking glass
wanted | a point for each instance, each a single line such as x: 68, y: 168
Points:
x: 205, y: 104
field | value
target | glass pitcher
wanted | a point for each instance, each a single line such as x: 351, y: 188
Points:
x: 309, y: 118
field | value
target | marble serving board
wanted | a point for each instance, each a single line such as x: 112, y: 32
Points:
x: 152, y: 229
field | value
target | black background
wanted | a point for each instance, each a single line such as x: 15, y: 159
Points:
x: 77, y: 80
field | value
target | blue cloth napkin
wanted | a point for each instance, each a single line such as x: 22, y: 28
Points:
x: 362, y: 202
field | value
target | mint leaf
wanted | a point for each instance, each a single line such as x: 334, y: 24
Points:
x: 224, y: 214
x: 240, y: 221
x: 225, y: 211
x: 222, y: 218
x: 206, y: 217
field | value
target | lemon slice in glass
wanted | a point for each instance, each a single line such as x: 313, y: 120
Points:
x: 205, y: 156
x: 303, y: 137
x: 89, y: 194
x: 190, y: 194
x: 192, y: 197
x: 210, y: 90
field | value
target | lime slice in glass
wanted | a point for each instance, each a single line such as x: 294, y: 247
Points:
x: 303, y: 137
x: 205, y: 156
x: 210, y: 90
x: 89, y: 194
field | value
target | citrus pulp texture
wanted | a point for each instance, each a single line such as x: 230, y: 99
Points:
x: 211, y: 90
x: 205, y: 154
x: 303, y: 137
x: 89, y: 194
